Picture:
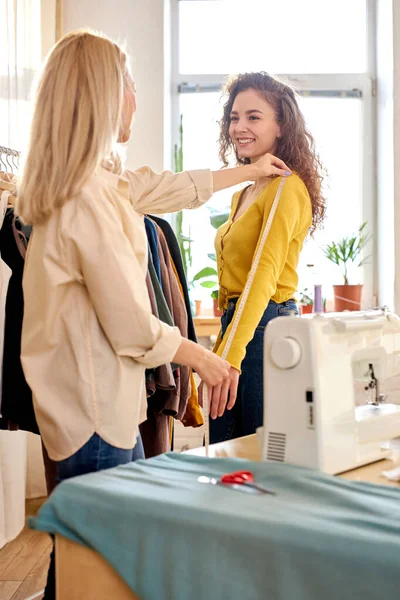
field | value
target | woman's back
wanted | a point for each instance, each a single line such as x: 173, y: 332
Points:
x: 71, y: 321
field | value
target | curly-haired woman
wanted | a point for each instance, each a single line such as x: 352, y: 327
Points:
x: 261, y: 115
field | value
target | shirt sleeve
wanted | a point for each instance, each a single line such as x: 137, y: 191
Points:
x: 116, y: 284
x: 294, y: 207
x: 159, y: 193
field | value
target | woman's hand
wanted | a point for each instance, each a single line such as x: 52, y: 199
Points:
x: 218, y: 395
x: 268, y: 165
x: 212, y: 369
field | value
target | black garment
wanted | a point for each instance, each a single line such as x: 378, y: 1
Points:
x: 176, y: 256
x: 16, y: 405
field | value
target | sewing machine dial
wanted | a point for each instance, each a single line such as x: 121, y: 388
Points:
x: 285, y: 352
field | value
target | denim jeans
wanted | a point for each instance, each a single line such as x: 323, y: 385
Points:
x: 247, y: 414
x: 95, y: 455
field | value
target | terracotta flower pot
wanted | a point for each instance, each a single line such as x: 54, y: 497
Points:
x: 306, y: 309
x: 217, y: 312
x: 198, y: 308
x: 347, y: 297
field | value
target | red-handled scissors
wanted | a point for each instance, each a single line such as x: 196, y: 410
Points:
x: 244, y: 478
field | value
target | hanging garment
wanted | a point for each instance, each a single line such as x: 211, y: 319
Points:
x: 164, y: 313
x: 5, y: 275
x: 162, y: 377
x: 176, y: 256
x: 193, y: 416
x: 189, y: 410
x: 178, y: 311
x: 152, y: 238
x: 17, y: 406
x: 155, y: 434
x: 161, y: 383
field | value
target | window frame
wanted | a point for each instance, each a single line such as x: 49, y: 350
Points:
x: 361, y: 85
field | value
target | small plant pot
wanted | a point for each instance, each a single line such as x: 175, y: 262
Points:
x: 217, y: 312
x: 347, y: 297
x: 198, y: 308
x: 306, y: 309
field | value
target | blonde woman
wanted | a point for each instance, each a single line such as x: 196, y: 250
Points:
x: 88, y: 332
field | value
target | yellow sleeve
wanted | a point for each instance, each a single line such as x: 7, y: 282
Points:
x: 293, y: 208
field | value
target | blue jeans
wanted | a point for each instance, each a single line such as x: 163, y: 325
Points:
x: 95, y: 455
x: 247, y: 414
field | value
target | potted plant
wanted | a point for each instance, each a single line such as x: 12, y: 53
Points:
x: 306, y: 302
x: 343, y: 253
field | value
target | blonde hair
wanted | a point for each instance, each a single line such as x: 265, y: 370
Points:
x: 75, y: 123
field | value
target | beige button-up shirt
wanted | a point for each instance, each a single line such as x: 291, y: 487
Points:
x: 88, y: 332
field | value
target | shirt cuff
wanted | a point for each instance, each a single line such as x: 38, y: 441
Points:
x: 163, y: 350
x: 204, y: 184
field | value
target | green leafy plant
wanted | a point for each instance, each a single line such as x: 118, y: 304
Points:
x: 348, y: 250
x: 217, y: 217
x: 305, y: 298
x: 208, y: 278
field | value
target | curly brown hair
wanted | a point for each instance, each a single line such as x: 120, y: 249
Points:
x: 295, y: 146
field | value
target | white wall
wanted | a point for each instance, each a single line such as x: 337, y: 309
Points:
x: 396, y: 139
x: 48, y: 25
x: 388, y: 127
x: 385, y: 142
x: 140, y: 25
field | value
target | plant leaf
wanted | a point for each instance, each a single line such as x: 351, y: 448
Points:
x: 206, y: 272
x: 212, y: 257
x: 218, y: 219
x: 208, y: 284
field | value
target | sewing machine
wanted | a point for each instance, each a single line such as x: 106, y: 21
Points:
x: 324, y: 376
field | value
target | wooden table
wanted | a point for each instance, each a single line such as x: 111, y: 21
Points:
x: 82, y: 573
x: 206, y: 326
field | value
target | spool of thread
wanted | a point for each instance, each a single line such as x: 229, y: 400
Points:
x: 318, y: 305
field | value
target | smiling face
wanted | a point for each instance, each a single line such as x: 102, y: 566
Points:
x: 253, y: 126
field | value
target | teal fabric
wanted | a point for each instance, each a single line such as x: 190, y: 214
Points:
x: 171, y: 537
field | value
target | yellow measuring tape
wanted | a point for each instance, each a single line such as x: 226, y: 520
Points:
x: 240, y: 307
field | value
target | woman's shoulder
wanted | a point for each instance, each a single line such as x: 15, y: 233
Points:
x: 292, y: 182
x: 293, y: 187
x: 103, y: 196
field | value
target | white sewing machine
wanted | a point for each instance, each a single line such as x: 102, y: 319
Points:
x: 323, y: 402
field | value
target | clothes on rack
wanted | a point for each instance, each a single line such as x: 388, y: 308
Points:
x: 193, y: 416
x: 176, y: 256
x: 151, y: 233
x: 5, y: 275
x: 161, y: 378
x: 16, y: 397
x: 17, y: 406
x: 181, y: 401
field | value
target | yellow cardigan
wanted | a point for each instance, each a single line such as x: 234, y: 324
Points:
x: 276, y: 277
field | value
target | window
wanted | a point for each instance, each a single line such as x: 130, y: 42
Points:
x: 20, y: 49
x: 214, y: 38
x: 290, y: 36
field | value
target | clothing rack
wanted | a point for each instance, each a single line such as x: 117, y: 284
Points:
x: 9, y: 159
